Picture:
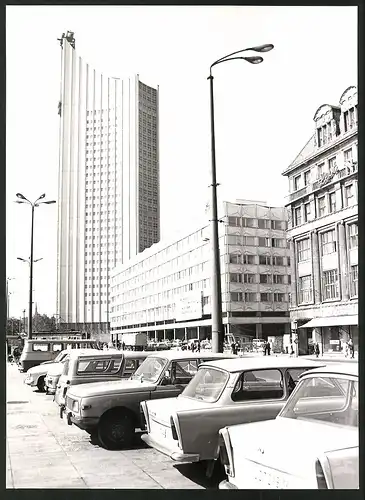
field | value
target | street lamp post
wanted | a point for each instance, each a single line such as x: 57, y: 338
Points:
x: 23, y: 199
x: 217, y: 324
x: 7, y: 298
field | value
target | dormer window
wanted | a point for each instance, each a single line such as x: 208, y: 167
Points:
x: 324, y: 134
x: 349, y: 119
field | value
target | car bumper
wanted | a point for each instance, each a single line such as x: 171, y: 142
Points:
x: 226, y: 485
x: 177, y: 456
x: 83, y: 423
x: 30, y: 382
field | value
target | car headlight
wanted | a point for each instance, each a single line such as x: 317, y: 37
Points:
x: 75, y: 406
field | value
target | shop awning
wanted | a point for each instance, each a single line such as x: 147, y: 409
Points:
x: 332, y: 321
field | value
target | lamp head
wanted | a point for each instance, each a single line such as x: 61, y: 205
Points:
x: 19, y: 195
x: 42, y: 196
x: 253, y: 59
x: 262, y: 48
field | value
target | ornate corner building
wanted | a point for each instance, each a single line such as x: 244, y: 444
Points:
x: 323, y: 229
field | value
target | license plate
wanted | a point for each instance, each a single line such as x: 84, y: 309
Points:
x: 161, y: 430
x: 264, y: 477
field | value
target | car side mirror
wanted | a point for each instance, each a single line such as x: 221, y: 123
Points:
x: 167, y: 378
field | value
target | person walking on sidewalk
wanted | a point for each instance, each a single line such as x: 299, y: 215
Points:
x: 351, y: 348
x: 316, y: 350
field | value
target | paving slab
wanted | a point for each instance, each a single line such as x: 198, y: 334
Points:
x: 136, y: 481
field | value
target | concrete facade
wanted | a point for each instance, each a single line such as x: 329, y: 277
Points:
x: 108, y: 184
x: 323, y: 229
x: 166, y: 290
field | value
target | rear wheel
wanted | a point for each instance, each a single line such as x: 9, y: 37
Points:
x: 41, y: 384
x: 116, y: 430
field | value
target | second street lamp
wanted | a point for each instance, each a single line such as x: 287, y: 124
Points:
x: 217, y: 323
x: 23, y: 199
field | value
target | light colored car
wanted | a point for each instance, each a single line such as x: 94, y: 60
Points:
x: 224, y: 392
x: 97, y: 366
x: 312, y: 444
x: 112, y: 409
x: 55, y: 370
x: 36, y: 375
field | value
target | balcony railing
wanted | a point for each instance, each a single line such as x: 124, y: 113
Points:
x: 324, y: 180
x: 299, y: 193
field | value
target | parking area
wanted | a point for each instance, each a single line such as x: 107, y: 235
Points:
x: 44, y: 452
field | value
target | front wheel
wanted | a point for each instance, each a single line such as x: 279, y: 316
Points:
x: 116, y: 430
x: 41, y: 384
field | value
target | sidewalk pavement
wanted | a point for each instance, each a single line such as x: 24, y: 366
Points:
x: 333, y: 357
x: 42, y: 451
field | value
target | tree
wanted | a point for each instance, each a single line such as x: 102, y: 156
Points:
x: 43, y: 323
x: 13, y: 326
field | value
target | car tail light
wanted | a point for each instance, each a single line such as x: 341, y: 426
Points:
x: 173, y: 429
x: 226, y: 452
x: 321, y: 480
x: 145, y: 420
x: 223, y: 452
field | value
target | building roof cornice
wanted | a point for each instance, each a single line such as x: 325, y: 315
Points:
x: 318, y: 152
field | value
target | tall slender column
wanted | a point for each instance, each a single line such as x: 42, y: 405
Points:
x: 258, y: 330
x: 342, y: 259
x: 316, y: 268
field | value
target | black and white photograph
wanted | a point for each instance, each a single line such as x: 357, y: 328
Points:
x: 182, y: 247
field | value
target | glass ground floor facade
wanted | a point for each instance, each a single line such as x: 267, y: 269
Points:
x: 330, y: 339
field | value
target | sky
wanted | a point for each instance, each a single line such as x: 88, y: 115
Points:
x: 263, y: 113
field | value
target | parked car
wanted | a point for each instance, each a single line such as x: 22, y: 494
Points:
x: 100, y: 366
x: 224, y: 392
x: 37, y: 351
x: 36, y: 375
x: 112, y: 409
x: 316, y: 434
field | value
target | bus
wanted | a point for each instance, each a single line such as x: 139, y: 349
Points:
x: 37, y: 351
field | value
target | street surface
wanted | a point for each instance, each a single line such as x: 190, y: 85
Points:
x: 42, y: 451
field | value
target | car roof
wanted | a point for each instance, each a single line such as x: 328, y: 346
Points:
x: 74, y: 353
x: 188, y: 354
x: 337, y: 369
x: 259, y: 363
x: 81, y: 350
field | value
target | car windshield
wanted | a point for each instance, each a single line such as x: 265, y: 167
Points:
x: 150, y: 369
x: 326, y: 399
x: 207, y: 385
x: 59, y: 357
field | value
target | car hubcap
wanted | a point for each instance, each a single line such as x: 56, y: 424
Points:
x: 117, y: 431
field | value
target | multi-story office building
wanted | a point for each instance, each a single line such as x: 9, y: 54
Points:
x: 108, y: 184
x: 323, y: 229
x: 166, y: 290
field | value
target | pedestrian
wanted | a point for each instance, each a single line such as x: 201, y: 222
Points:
x: 264, y: 348
x: 351, y: 348
x: 198, y: 345
x: 233, y: 348
x: 268, y: 347
x: 123, y: 346
x: 291, y: 349
x: 16, y: 354
x: 316, y: 350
